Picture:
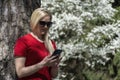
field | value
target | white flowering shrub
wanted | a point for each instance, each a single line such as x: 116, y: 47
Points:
x: 87, y: 33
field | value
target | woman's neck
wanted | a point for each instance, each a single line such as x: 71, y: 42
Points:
x: 40, y: 38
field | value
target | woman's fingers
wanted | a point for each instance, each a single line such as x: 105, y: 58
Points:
x: 52, y: 60
x: 49, y: 60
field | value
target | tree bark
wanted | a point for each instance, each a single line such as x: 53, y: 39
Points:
x: 14, y: 22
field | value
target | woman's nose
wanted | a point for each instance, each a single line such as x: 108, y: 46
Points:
x: 46, y: 26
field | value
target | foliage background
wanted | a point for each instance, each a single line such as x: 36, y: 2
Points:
x: 89, y: 33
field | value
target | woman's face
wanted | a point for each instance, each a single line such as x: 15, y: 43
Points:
x: 43, y: 26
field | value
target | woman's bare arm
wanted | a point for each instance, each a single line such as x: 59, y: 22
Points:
x: 23, y: 71
x: 55, y: 68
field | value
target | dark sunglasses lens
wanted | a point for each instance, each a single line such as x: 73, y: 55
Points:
x: 49, y: 24
x: 43, y: 23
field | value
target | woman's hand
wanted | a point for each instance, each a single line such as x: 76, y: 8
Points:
x: 51, y: 60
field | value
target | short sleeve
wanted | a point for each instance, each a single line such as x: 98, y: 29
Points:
x: 20, y: 48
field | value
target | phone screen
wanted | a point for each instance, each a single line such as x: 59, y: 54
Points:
x: 57, y: 51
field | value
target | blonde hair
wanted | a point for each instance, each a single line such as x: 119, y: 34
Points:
x: 49, y: 45
x: 36, y: 16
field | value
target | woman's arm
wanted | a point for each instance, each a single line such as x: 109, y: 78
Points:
x: 54, y: 71
x: 23, y: 71
x: 55, y: 68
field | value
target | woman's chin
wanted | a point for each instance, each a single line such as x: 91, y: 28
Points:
x: 43, y: 33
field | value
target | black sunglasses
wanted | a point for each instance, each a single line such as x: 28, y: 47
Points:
x: 43, y: 23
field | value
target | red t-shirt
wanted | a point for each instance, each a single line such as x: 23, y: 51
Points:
x: 34, y: 51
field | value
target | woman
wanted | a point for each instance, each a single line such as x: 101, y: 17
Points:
x: 33, y: 51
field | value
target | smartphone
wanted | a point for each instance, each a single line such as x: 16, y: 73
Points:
x: 57, y: 51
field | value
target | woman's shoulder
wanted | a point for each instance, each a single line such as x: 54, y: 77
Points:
x: 24, y: 37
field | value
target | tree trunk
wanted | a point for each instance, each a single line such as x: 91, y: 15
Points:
x: 14, y: 22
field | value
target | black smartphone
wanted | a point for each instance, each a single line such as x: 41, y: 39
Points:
x: 57, y: 51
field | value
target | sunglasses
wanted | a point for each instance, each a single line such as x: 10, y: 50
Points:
x: 43, y: 23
